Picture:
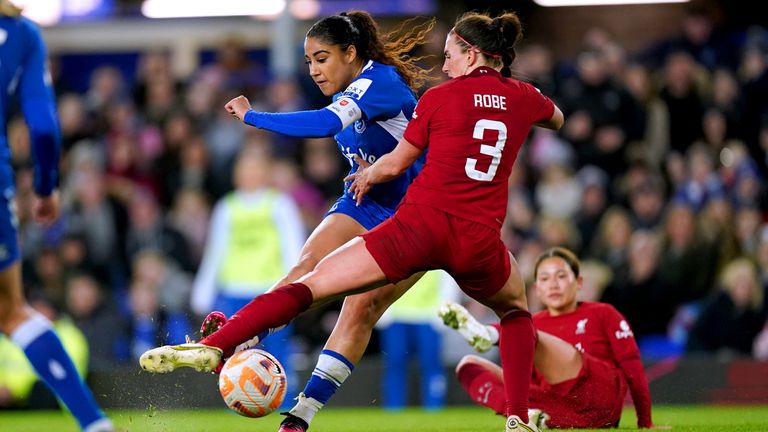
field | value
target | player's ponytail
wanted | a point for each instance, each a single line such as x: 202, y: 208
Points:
x: 511, y: 31
x: 358, y: 28
x: 9, y: 9
x: 494, y: 38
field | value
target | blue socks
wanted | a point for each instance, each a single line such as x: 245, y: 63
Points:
x: 331, y: 371
x: 46, y: 354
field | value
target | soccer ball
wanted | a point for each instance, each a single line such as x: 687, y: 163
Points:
x: 252, y: 383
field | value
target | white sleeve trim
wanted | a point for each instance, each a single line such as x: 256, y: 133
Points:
x: 346, y: 110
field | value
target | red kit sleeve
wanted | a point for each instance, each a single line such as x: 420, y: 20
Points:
x: 417, y: 131
x: 627, y: 357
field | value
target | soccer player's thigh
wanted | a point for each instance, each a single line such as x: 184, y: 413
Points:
x: 335, y: 230
x: 556, y: 359
x: 348, y: 270
x: 502, y: 288
x: 392, y: 251
x: 359, y: 314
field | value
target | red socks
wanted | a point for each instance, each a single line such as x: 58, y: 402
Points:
x: 484, y: 387
x: 516, y: 346
x: 273, y: 309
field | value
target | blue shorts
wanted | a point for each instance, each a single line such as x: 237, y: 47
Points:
x: 369, y: 214
x: 9, y: 244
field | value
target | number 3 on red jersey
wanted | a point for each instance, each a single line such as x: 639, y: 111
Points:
x: 494, y: 151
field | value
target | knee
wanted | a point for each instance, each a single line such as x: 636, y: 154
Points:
x: 375, y: 308
x: 367, y: 309
x: 11, y: 315
x: 467, y: 362
x: 306, y: 264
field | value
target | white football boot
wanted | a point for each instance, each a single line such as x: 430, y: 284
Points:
x: 538, y: 418
x: 514, y: 424
x: 168, y: 358
x: 458, y: 318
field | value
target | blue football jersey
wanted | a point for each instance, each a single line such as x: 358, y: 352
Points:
x: 386, y: 105
x: 23, y: 73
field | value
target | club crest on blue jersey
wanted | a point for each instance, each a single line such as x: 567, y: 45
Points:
x: 360, y: 126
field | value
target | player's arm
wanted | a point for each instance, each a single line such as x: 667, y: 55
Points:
x: 388, y: 167
x: 544, y: 112
x: 39, y: 108
x: 627, y: 355
x: 555, y: 122
x: 324, y: 122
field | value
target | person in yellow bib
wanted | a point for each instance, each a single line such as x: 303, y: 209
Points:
x: 255, y: 236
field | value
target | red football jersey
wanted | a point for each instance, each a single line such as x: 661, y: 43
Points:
x: 474, y: 126
x: 599, y: 330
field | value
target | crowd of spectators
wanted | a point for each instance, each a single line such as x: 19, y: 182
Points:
x: 657, y: 179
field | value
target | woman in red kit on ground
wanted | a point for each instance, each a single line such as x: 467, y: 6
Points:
x: 585, y: 357
x: 450, y: 218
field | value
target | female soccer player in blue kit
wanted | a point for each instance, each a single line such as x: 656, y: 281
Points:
x: 372, y: 83
x: 23, y: 73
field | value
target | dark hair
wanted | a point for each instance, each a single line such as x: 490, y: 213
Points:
x: 560, y: 252
x: 359, y: 29
x: 495, y: 38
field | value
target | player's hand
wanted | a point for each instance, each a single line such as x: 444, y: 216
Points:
x: 238, y: 107
x: 45, y: 209
x: 361, y: 182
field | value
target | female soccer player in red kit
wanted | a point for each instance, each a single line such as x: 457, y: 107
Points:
x: 450, y: 218
x: 585, y: 357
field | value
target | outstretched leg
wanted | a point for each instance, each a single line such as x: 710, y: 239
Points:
x: 555, y: 359
x: 348, y: 270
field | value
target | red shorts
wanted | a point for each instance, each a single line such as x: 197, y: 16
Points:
x: 419, y: 238
x: 594, y: 399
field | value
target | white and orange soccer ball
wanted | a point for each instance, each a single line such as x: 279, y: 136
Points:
x: 253, y: 383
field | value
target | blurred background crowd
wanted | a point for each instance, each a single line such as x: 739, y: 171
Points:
x: 657, y: 180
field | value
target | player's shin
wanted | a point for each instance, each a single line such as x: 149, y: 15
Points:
x: 216, y: 320
x: 331, y: 371
x: 516, y: 346
x: 53, y: 365
x: 270, y: 310
x: 478, y: 378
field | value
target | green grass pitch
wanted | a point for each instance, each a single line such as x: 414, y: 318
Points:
x: 679, y: 418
